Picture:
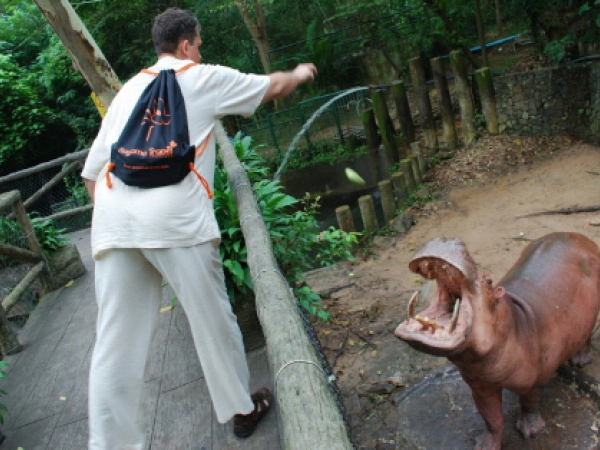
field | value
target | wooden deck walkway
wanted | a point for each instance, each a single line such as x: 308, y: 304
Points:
x: 47, y: 382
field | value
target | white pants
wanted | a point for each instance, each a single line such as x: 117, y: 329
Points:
x: 128, y: 292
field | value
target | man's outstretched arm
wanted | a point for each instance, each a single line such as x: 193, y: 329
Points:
x: 284, y: 83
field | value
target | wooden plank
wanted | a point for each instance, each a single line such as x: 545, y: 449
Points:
x: 76, y: 405
x: 23, y: 377
x: 60, y: 373
x: 32, y: 437
x: 73, y: 436
x: 181, y: 364
x: 158, y: 348
x: 267, y: 435
x: 37, y: 317
x: 64, y: 307
x: 183, y: 418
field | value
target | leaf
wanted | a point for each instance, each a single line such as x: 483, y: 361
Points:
x: 166, y: 308
x: 70, y: 283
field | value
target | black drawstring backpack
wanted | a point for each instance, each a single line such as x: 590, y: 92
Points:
x: 154, y: 148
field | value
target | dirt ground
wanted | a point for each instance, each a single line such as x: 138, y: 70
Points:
x: 479, y: 196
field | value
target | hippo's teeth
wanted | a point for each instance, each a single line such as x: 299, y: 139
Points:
x: 410, y: 311
x: 455, y: 315
x: 428, y: 323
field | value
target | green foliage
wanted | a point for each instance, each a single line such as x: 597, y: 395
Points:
x: 292, y: 225
x: 557, y: 50
x: 479, y: 120
x: 23, y: 117
x: 416, y: 198
x: 77, y: 190
x: 49, y: 237
x: 320, y: 153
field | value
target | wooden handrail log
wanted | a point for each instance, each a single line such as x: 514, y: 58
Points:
x: 20, y: 254
x: 309, y: 414
x: 20, y: 289
x: 50, y: 184
x: 44, y: 166
x: 63, y: 214
x: 8, y: 199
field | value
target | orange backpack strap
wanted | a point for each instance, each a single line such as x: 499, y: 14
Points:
x: 200, y: 148
x: 186, y: 67
x: 111, y: 166
x: 203, y: 181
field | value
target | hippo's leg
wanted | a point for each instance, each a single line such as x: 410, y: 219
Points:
x: 530, y: 422
x: 489, y: 405
x: 583, y: 356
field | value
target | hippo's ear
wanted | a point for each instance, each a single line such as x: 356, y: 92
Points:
x: 499, y: 292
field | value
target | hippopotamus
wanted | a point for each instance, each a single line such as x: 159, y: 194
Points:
x: 514, y: 335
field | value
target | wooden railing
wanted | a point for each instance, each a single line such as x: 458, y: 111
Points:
x: 75, y: 161
x: 34, y: 256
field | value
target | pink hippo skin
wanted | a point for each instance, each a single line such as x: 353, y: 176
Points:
x: 515, y: 335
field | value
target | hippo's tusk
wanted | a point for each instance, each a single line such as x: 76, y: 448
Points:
x: 410, y: 311
x: 455, y: 315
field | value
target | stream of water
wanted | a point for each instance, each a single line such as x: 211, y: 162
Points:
x: 309, y: 122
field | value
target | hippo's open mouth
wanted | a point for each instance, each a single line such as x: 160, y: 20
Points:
x: 442, y: 327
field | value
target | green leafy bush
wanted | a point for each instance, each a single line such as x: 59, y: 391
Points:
x: 297, y: 241
x: 49, y: 237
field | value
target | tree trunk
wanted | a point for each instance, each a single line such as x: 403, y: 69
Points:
x: 481, y: 32
x: 499, y: 24
x: 86, y: 55
x: 257, y: 29
x: 449, y: 27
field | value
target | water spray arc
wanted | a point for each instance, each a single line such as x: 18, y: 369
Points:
x: 309, y: 122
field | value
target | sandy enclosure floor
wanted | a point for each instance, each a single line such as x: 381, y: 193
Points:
x: 367, y: 298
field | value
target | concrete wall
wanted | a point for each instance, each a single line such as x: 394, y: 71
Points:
x: 558, y: 101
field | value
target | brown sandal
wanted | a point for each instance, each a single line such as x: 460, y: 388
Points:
x: 245, y: 424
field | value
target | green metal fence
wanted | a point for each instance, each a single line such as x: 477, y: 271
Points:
x: 339, y: 121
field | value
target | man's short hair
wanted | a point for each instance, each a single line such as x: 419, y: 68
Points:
x: 171, y: 27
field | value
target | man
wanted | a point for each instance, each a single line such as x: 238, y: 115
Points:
x: 140, y: 236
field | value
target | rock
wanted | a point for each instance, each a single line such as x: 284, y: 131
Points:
x: 403, y: 222
x: 385, y: 446
x: 381, y: 388
x: 66, y: 265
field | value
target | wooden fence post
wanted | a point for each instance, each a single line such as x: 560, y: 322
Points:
x: 441, y: 85
x: 386, y: 127
x: 465, y: 99
x: 344, y: 218
x: 403, y: 110
x: 417, y: 74
x: 414, y: 163
x: 387, y: 200
x: 33, y: 243
x: 415, y: 149
x: 400, y: 188
x: 409, y: 177
x: 367, y: 211
x: 485, y: 82
x: 371, y: 134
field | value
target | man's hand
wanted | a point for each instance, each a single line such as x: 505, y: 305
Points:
x: 284, y: 83
x: 90, y: 186
x: 305, y: 72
